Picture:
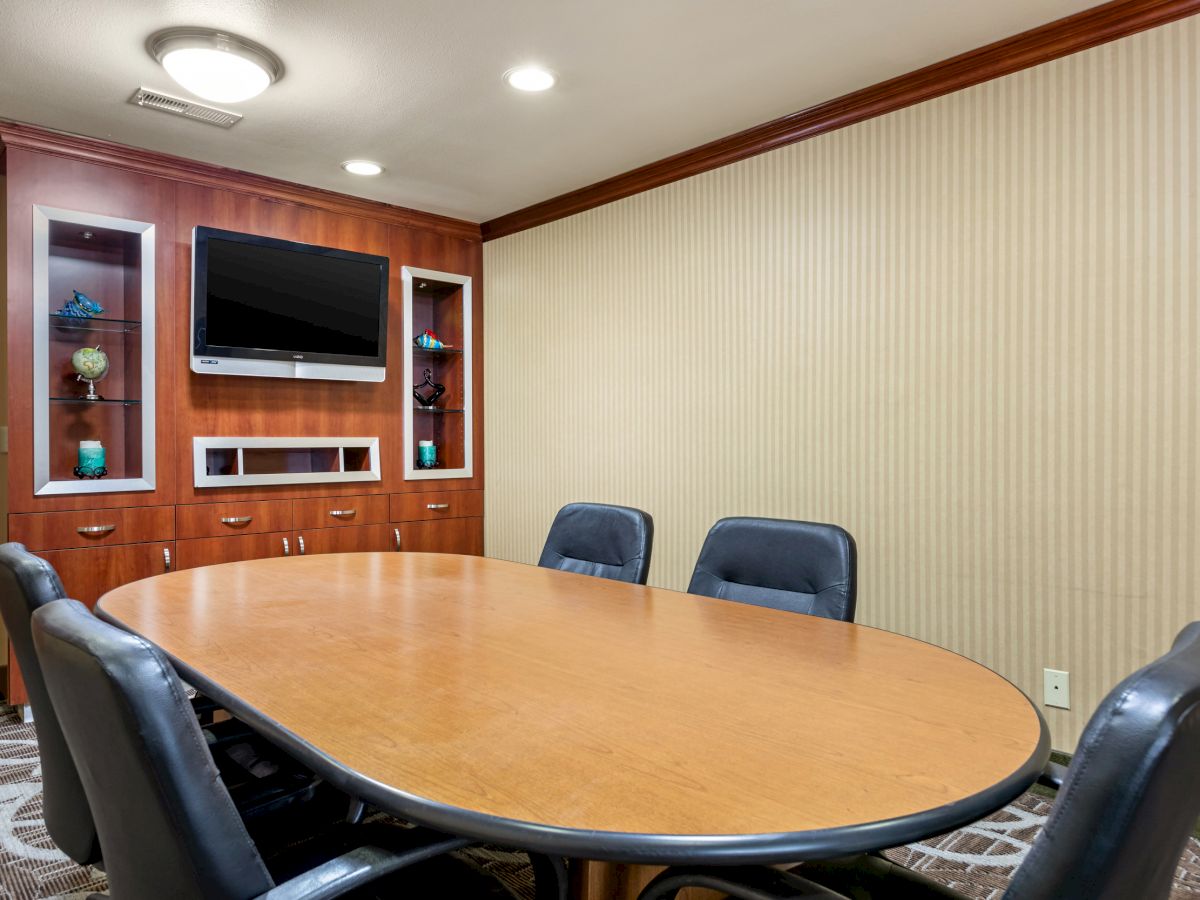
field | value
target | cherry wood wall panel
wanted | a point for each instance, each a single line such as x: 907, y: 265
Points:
x: 221, y: 405
x: 176, y: 195
x: 38, y: 179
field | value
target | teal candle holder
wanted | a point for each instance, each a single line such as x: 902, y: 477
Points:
x: 91, y: 460
x: 426, y: 455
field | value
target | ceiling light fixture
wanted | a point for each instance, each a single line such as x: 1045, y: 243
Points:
x: 530, y: 78
x: 362, y: 167
x: 215, y: 65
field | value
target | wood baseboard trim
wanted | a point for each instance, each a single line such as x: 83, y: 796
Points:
x: 1056, y: 39
x: 150, y: 162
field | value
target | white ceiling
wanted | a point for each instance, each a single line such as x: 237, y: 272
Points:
x: 416, y: 84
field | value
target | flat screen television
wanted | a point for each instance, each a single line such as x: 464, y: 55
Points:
x: 272, y: 308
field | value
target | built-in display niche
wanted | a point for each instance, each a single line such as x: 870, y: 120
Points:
x: 93, y: 353
x: 249, y: 461
x: 438, y: 400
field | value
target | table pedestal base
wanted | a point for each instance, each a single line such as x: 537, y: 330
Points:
x: 593, y: 880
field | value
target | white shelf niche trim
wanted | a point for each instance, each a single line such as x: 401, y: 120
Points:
x: 239, y: 445
x: 411, y: 472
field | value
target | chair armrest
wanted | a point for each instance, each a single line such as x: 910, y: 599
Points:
x: 739, y: 882
x: 1052, y: 776
x: 357, y: 868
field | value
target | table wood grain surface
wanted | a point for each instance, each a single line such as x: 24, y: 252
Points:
x: 590, y: 717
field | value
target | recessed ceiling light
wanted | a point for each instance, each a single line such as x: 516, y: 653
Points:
x: 215, y: 65
x: 530, y: 78
x: 362, y: 167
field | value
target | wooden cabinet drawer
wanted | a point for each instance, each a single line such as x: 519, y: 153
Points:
x: 450, y: 536
x: 210, y: 551
x: 332, y: 512
x: 199, y: 520
x: 436, y: 505
x: 357, y: 539
x: 92, y: 528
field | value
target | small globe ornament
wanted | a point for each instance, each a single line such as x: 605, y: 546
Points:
x: 90, y: 365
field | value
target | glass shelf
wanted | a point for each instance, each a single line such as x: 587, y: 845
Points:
x: 102, y: 402
x: 436, y: 409
x: 445, y: 351
x: 76, y: 323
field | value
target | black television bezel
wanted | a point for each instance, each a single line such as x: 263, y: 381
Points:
x: 201, y: 235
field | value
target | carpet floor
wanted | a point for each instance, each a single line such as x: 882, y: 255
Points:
x: 977, y: 861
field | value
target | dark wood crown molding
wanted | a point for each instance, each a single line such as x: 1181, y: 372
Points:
x: 150, y: 162
x: 1062, y: 37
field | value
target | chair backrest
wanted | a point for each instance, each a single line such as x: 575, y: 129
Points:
x: 801, y: 567
x: 167, y: 824
x: 1132, y: 794
x: 26, y: 584
x: 598, y: 539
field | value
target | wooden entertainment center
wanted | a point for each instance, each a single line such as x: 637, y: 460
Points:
x: 159, y: 508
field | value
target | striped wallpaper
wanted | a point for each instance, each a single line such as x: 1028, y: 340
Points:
x: 966, y: 331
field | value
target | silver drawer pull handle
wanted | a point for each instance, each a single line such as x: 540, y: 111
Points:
x: 300, y: 543
x: 342, y: 513
x: 437, y: 505
x: 167, y: 559
x: 287, y: 551
x: 96, y: 529
x: 396, y: 531
x: 236, y: 520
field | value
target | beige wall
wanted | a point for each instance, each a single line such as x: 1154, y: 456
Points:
x: 967, y: 331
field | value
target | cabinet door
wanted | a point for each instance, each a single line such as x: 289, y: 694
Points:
x: 444, y: 536
x: 89, y: 573
x: 210, y: 551
x: 348, y: 539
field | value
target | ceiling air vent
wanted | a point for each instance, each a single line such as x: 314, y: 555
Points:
x: 189, y: 109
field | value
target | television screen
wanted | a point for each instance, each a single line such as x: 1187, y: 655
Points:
x: 257, y: 298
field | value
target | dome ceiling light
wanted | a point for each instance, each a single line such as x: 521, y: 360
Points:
x: 215, y: 65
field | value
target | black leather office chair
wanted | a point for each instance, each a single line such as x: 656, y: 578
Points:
x: 27, y: 583
x: 598, y: 539
x: 1119, y: 824
x: 166, y: 822
x: 801, y: 567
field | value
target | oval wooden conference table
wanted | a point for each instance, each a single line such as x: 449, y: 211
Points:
x: 590, y: 718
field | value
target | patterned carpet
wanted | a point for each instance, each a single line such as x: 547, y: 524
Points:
x: 976, y: 861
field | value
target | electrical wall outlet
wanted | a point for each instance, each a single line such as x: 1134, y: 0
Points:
x: 1057, y: 688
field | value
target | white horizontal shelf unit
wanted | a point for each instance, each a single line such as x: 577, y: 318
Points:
x: 249, y: 461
